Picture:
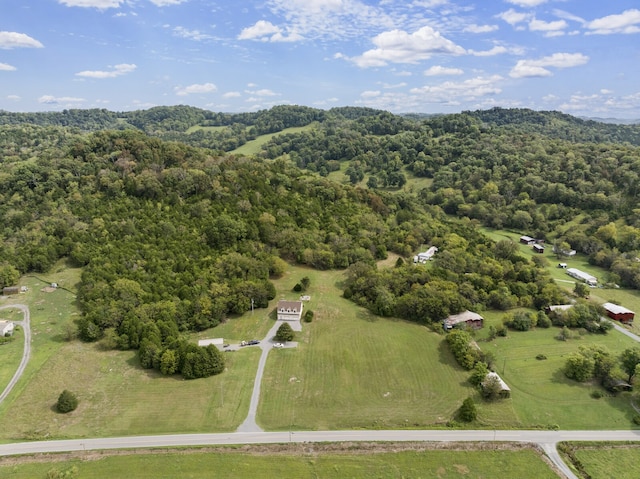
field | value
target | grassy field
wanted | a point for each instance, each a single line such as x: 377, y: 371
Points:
x: 542, y: 396
x: 303, y: 463
x: 354, y: 370
x: 11, y: 352
x: 205, y: 128
x: 255, y: 146
x: 605, y: 462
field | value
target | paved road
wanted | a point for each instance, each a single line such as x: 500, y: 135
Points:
x: 625, y: 331
x: 26, y: 353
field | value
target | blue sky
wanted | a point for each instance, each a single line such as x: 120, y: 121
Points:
x: 433, y: 56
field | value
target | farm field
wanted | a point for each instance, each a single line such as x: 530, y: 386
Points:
x: 606, y: 461
x: 11, y: 352
x: 352, y: 463
x: 542, y: 396
x: 354, y: 370
x: 253, y: 147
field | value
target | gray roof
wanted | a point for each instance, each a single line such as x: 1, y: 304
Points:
x: 616, y: 309
x: 463, y: 318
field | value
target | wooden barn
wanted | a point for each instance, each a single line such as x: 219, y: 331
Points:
x: 619, y: 313
x: 471, y: 319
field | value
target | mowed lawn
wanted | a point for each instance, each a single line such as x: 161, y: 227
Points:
x: 355, y: 370
x: 607, y: 461
x: 542, y: 396
x: 11, y: 352
x: 443, y: 464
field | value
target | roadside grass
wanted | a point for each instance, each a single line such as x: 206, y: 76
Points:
x: 10, y: 352
x: 541, y: 395
x: 355, y: 370
x: 253, y: 147
x: 607, y: 460
x: 51, y: 316
x: 444, y: 464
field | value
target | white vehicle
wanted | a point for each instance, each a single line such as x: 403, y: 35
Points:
x: 278, y: 345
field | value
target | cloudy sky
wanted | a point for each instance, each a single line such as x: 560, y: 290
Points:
x: 433, y: 56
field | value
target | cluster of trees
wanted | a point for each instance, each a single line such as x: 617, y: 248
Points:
x: 583, y: 315
x: 597, y: 363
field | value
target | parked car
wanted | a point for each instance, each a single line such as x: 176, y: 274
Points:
x: 253, y: 341
x: 226, y: 345
x: 278, y: 345
x: 243, y: 343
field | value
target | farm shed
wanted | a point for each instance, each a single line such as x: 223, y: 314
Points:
x: 538, y: 248
x: 7, y: 290
x: 528, y: 240
x: 471, y: 319
x: 619, y: 313
x: 582, y: 276
x: 289, y: 310
x: 505, y: 390
x: 6, y: 328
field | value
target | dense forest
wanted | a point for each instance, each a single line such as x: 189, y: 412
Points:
x: 176, y: 235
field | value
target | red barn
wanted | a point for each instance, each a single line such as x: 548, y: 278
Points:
x: 619, y: 313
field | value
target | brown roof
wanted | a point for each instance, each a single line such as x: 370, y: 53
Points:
x: 292, y: 305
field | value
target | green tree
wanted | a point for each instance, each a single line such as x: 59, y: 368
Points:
x: 468, y: 411
x: 9, y: 275
x: 169, y: 362
x: 67, y: 402
x: 308, y: 316
x: 581, y: 290
x: 630, y: 358
x: 284, y: 333
x: 579, y: 367
x: 491, y: 387
x: 479, y: 373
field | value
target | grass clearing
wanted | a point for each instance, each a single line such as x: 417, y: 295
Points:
x: 302, y: 462
x: 11, y: 352
x: 355, y: 370
x: 195, y: 128
x: 254, y: 147
x: 606, y: 461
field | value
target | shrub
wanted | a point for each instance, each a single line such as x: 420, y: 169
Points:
x: 597, y: 394
x: 297, y: 288
x: 468, y: 411
x: 308, y: 316
x: 541, y: 357
x: 636, y: 419
x: 67, y: 402
x: 284, y: 333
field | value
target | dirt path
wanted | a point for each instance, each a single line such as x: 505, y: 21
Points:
x: 26, y: 326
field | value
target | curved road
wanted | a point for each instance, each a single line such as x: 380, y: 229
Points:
x: 26, y: 326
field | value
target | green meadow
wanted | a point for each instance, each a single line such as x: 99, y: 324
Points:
x: 304, y: 463
x: 604, y: 461
x: 254, y: 147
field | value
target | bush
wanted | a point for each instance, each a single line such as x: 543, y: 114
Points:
x: 468, y: 411
x: 597, y: 394
x: 297, y: 288
x: 284, y: 333
x: 541, y: 357
x: 636, y: 419
x: 308, y: 316
x: 67, y: 402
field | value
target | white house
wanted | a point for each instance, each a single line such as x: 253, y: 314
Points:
x: 426, y: 255
x: 289, y: 310
x: 6, y: 328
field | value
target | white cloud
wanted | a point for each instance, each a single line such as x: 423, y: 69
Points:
x: 438, y: 70
x: 536, y: 25
x: 9, y: 40
x: 527, y: 3
x: 267, y: 32
x: 473, y: 28
x: 262, y: 92
x: 497, y: 50
x: 512, y: 17
x: 604, y: 91
x: 101, y: 4
x: 13, y: 97
x: 429, y: 3
x: 391, y: 86
x: 165, y: 3
x: 538, y: 68
x: 370, y: 94
x: 465, y: 90
x: 117, y: 70
x: 191, y: 34
x: 625, y: 22
x: 568, y: 16
x: 52, y: 100
x: 196, y: 88
x: 5, y: 67
x: 232, y: 94
x: 398, y: 46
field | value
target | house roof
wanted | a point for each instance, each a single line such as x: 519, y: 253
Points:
x: 503, y: 385
x: 527, y: 238
x: 4, y: 324
x: 463, y: 318
x: 297, y: 305
x: 616, y: 309
x: 576, y: 273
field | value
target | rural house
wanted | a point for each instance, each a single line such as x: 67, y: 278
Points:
x: 619, y: 313
x: 426, y: 255
x: 6, y: 328
x: 471, y: 319
x: 289, y: 310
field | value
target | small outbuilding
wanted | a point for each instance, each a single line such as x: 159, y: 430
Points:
x: 8, y: 290
x: 619, y: 313
x: 6, y: 328
x: 469, y: 318
x: 289, y: 310
x: 528, y: 240
x: 425, y: 255
x: 538, y: 248
x: 505, y: 390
